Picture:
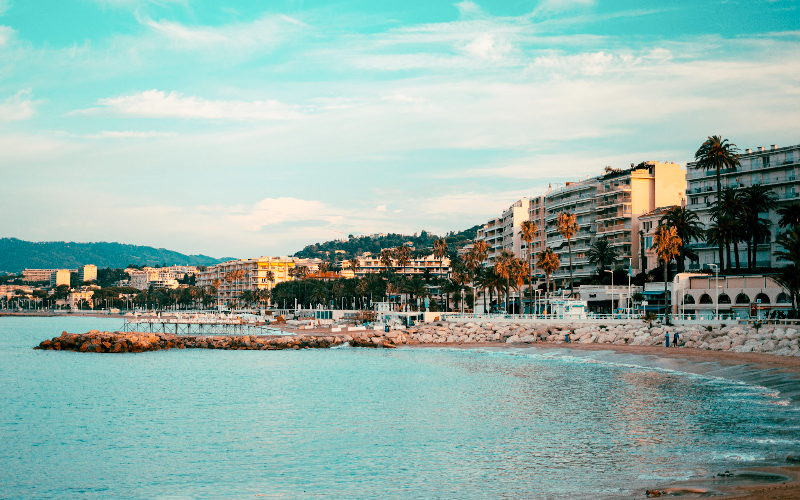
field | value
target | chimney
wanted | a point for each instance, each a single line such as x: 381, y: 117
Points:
x: 761, y: 149
x: 748, y: 150
x: 774, y: 147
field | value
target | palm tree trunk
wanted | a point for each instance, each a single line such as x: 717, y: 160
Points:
x: 719, y: 192
x: 736, y: 252
x: 728, y: 253
x: 508, y: 284
x: 666, y: 294
x: 571, y: 281
x: 749, y: 260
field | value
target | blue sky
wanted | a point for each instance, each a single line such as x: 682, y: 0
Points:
x: 254, y: 128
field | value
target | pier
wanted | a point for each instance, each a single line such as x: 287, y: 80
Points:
x: 203, y: 326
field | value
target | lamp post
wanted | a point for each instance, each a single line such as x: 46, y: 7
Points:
x: 716, y: 288
x: 612, y: 291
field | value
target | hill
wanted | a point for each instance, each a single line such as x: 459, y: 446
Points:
x: 16, y: 255
x: 353, y: 245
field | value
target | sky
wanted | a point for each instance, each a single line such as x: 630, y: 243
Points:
x: 241, y: 128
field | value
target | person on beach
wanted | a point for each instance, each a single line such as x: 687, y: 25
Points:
x: 675, y: 340
x: 667, y: 339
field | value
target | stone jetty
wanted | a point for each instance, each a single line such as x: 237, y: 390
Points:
x: 97, y: 341
x: 769, y: 339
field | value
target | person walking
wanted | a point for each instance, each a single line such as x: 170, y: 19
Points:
x: 667, y: 340
x: 675, y: 340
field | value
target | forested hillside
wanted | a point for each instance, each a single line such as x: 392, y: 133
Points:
x: 353, y: 245
x: 16, y: 255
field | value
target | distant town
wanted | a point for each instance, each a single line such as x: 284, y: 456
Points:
x: 603, y: 240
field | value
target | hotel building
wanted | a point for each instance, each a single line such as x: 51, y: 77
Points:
x: 773, y: 167
x: 41, y: 275
x: 371, y: 263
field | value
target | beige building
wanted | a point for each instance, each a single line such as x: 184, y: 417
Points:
x: 74, y: 298
x: 370, y: 263
x: 152, y: 277
x: 41, y: 275
x: 503, y: 233
x: 258, y: 274
x: 60, y: 277
x: 648, y: 224
x: 87, y: 273
x: 745, y: 297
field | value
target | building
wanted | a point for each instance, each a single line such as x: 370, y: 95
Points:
x: 578, y: 198
x: 745, y: 297
x: 40, y: 275
x: 87, y: 273
x: 503, y: 233
x: 233, y: 277
x: 536, y: 212
x: 416, y: 266
x: 605, y: 299
x: 648, y: 224
x: 75, y: 297
x: 775, y: 167
x: 155, y: 277
x: 609, y: 207
x: 60, y: 277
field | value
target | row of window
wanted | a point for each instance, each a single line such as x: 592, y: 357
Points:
x: 742, y: 298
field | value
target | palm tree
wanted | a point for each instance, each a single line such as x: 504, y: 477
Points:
x: 727, y: 210
x: 667, y: 245
x: 548, y: 261
x: 789, y: 278
x: 790, y: 244
x: 386, y: 259
x: 688, y: 226
x: 440, y: 248
x: 528, y: 233
x: 354, y: 265
x: 502, y: 267
x: 790, y: 215
x: 602, y: 254
x: 568, y: 227
x: 519, y: 270
x: 722, y: 230
x: 716, y: 154
x: 755, y: 200
x: 402, y: 255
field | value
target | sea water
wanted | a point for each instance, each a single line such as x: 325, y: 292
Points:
x: 364, y: 423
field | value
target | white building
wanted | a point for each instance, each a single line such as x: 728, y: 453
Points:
x: 60, y: 277
x: 744, y: 297
x: 369, y: 263
x: 774, y: 167
x: 87, y: 273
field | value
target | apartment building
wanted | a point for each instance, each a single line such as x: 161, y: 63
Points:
x: 87, y: 273
x: 369, y: 263
x: 41, y: 275
x: 648, y: 224
x: 257, y: 274
x: 609, y: 207
x: 503, y: 233
x: 60, y: 277
x: 578, y: 198
x: 774, y: 167
x: 536, y: 214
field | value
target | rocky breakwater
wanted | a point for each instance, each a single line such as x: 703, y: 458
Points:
x: 768, y: 339
x: 118, y: 342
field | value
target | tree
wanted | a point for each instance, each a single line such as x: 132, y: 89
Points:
x: 602, y: 254
x: 386, y: 259
x: 716, y: 154
x: 502, y: 267
x: 528, y: 233
x: 440, y: 248
x: 519, y: 271
x: 568, y: 227
x: 402, y: 255
x: 667, y: 245
x: 688, y: 227
x: 790, y: 246
x: 755, y: 200
x: 789, y: 278
x: 790, y: 216
x: 548, y: 261
x: 354, y: 265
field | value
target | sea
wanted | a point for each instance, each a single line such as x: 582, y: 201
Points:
x: 427, y: 423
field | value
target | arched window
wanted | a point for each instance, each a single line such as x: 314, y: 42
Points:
x: 763, y: 298
x: 724, y: 299
x: 783, y: 298
x: 688, y: 299
x: 706, y: 299
x: 742, y: 299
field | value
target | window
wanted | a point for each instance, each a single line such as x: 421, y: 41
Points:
x: 706, y: 299
x: 765, y: 161
x: 688, y: 299
x: 783, y: 298
x: 762, y: 298
x: 648, y: 242
x: 742, y: 299
x: 724, y: 299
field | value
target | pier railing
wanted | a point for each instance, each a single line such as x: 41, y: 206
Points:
x: 202, y: 327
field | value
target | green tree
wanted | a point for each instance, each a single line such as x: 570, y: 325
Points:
x: 667, y: 245
x: 716, y: 154
x: 688, y: 227
x: 754, y: 201
x: 602, y: 254
x: 548, y: 261
x: 568, y: 227
x: 790, y: 215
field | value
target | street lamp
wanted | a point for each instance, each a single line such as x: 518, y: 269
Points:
x: 716, y: 287
x: 612, y: 291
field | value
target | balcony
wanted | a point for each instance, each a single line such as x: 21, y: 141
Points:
x: 615, y: 201
x: 613, y: 228
x: 613, y: 215
x: 626, y: 188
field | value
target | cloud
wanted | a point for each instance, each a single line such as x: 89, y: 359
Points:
x: 17, y: 107
x: 380, y: 208
x: 126, y: 134
x: 159, y: 104
x: 271, y: 211
x: 6, y: 33
x: 555, y: 6
x: 4, y: 6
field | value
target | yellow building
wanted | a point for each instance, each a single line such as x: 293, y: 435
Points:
x: 256, y: 274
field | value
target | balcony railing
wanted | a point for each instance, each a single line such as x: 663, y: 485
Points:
x: 614, y: 189
x: 615, y: 201
x: 612, y: 228
x: 613, y: 215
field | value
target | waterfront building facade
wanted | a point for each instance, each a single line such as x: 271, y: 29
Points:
x: 744, y: 297
x: 503, y: 233
x: 41, y: 275
x: 648, y: 224
x: 416, y: 267
x: 260, y: 273
x: 773, y: 167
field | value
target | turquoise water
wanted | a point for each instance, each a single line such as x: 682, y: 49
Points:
x: 359, y: 423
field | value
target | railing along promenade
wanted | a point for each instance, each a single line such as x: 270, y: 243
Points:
x: 677, y: 319
x: 200, y: 326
